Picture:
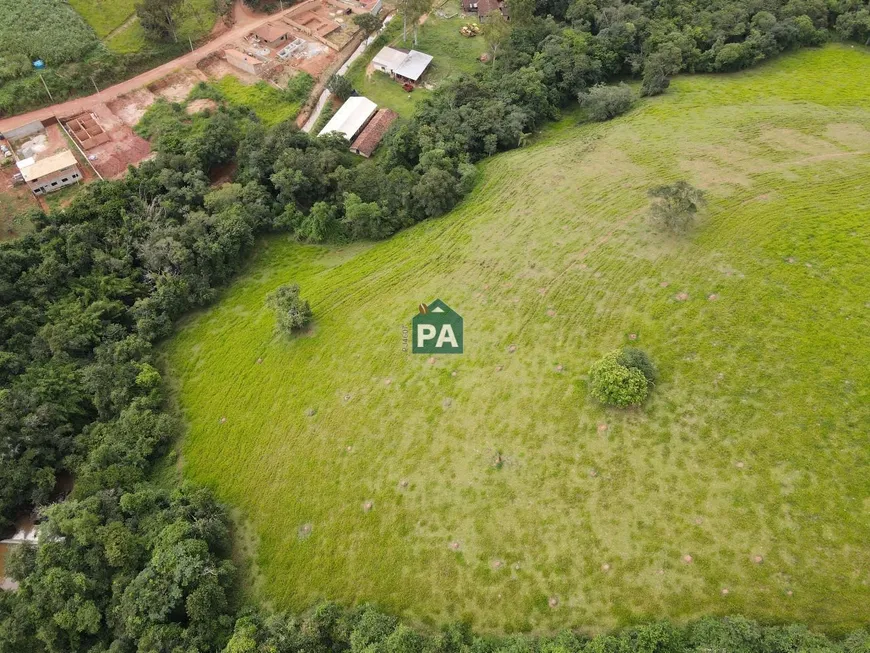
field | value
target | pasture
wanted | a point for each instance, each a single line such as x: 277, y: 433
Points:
x: 489, y: 486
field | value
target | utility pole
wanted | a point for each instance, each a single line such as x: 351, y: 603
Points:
x: 46, y: 87
x: 191, y: 43
x: 95, y: 85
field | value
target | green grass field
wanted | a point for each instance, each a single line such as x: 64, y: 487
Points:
x: 440, y: 37
x: 104, y: 16
x: 270, y: 104
x: 754, y: 443
x: 115, y: 22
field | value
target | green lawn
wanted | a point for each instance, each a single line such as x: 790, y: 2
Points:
x: 270, y: 104
x: 116, y: 23
x: 754, y: 443
x: 439, y: 37
x: 104, y: 15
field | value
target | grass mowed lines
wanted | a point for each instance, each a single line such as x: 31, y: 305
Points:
x: 751, y: 456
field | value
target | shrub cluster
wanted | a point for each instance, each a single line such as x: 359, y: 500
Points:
x: 622, y: 377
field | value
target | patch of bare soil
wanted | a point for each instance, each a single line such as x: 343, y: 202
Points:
x: 175, y: 87
x: 132, y: 106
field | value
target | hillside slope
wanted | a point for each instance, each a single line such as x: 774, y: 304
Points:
x: 751, y: 455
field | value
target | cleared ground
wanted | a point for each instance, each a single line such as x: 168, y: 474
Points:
x: 751, y: 456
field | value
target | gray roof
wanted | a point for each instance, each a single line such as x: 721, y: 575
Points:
x: 414, y: 65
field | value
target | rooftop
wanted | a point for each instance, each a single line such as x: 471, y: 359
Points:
x: 47, y: 165
x: 390, y: 58
x: 414, y: 65
x: 351, y: 117
x: 271, y: 32
x: 371, y: 135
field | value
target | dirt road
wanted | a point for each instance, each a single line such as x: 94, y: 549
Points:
x: 245, y: 23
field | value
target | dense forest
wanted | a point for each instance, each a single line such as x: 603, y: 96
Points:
x: 125, y: 565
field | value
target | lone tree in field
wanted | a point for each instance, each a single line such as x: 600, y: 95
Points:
x: 623, y: 377
x: 606, y: 102
x: 292, y: 311
x: 674, y: 206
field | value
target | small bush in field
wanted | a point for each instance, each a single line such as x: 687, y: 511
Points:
x: 622, y: 377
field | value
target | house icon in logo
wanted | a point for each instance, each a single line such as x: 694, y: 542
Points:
x: 437, y: 329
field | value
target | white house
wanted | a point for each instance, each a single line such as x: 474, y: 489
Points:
x: 404, y: 65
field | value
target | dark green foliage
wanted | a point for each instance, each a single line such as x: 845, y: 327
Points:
x: 340, y: 86
x: 674, y: 206
x: 606, y: 102
x: 160, y: 18
x: 300, y: 85
x: 659, y: 68
x: 291, y: 311
x: 635, y: 358
x: 368, y: 22
x: 325, y: 114
x: 331, y: 628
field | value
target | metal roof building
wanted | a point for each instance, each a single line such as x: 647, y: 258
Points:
x: 407, y: 64
x: 388, y: 59
x: 351, y: 117
x: 414, y: 65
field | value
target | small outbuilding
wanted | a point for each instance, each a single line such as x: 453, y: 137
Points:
x: 351, y: 117
x: 243, y: 61
x: 371, y: 136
